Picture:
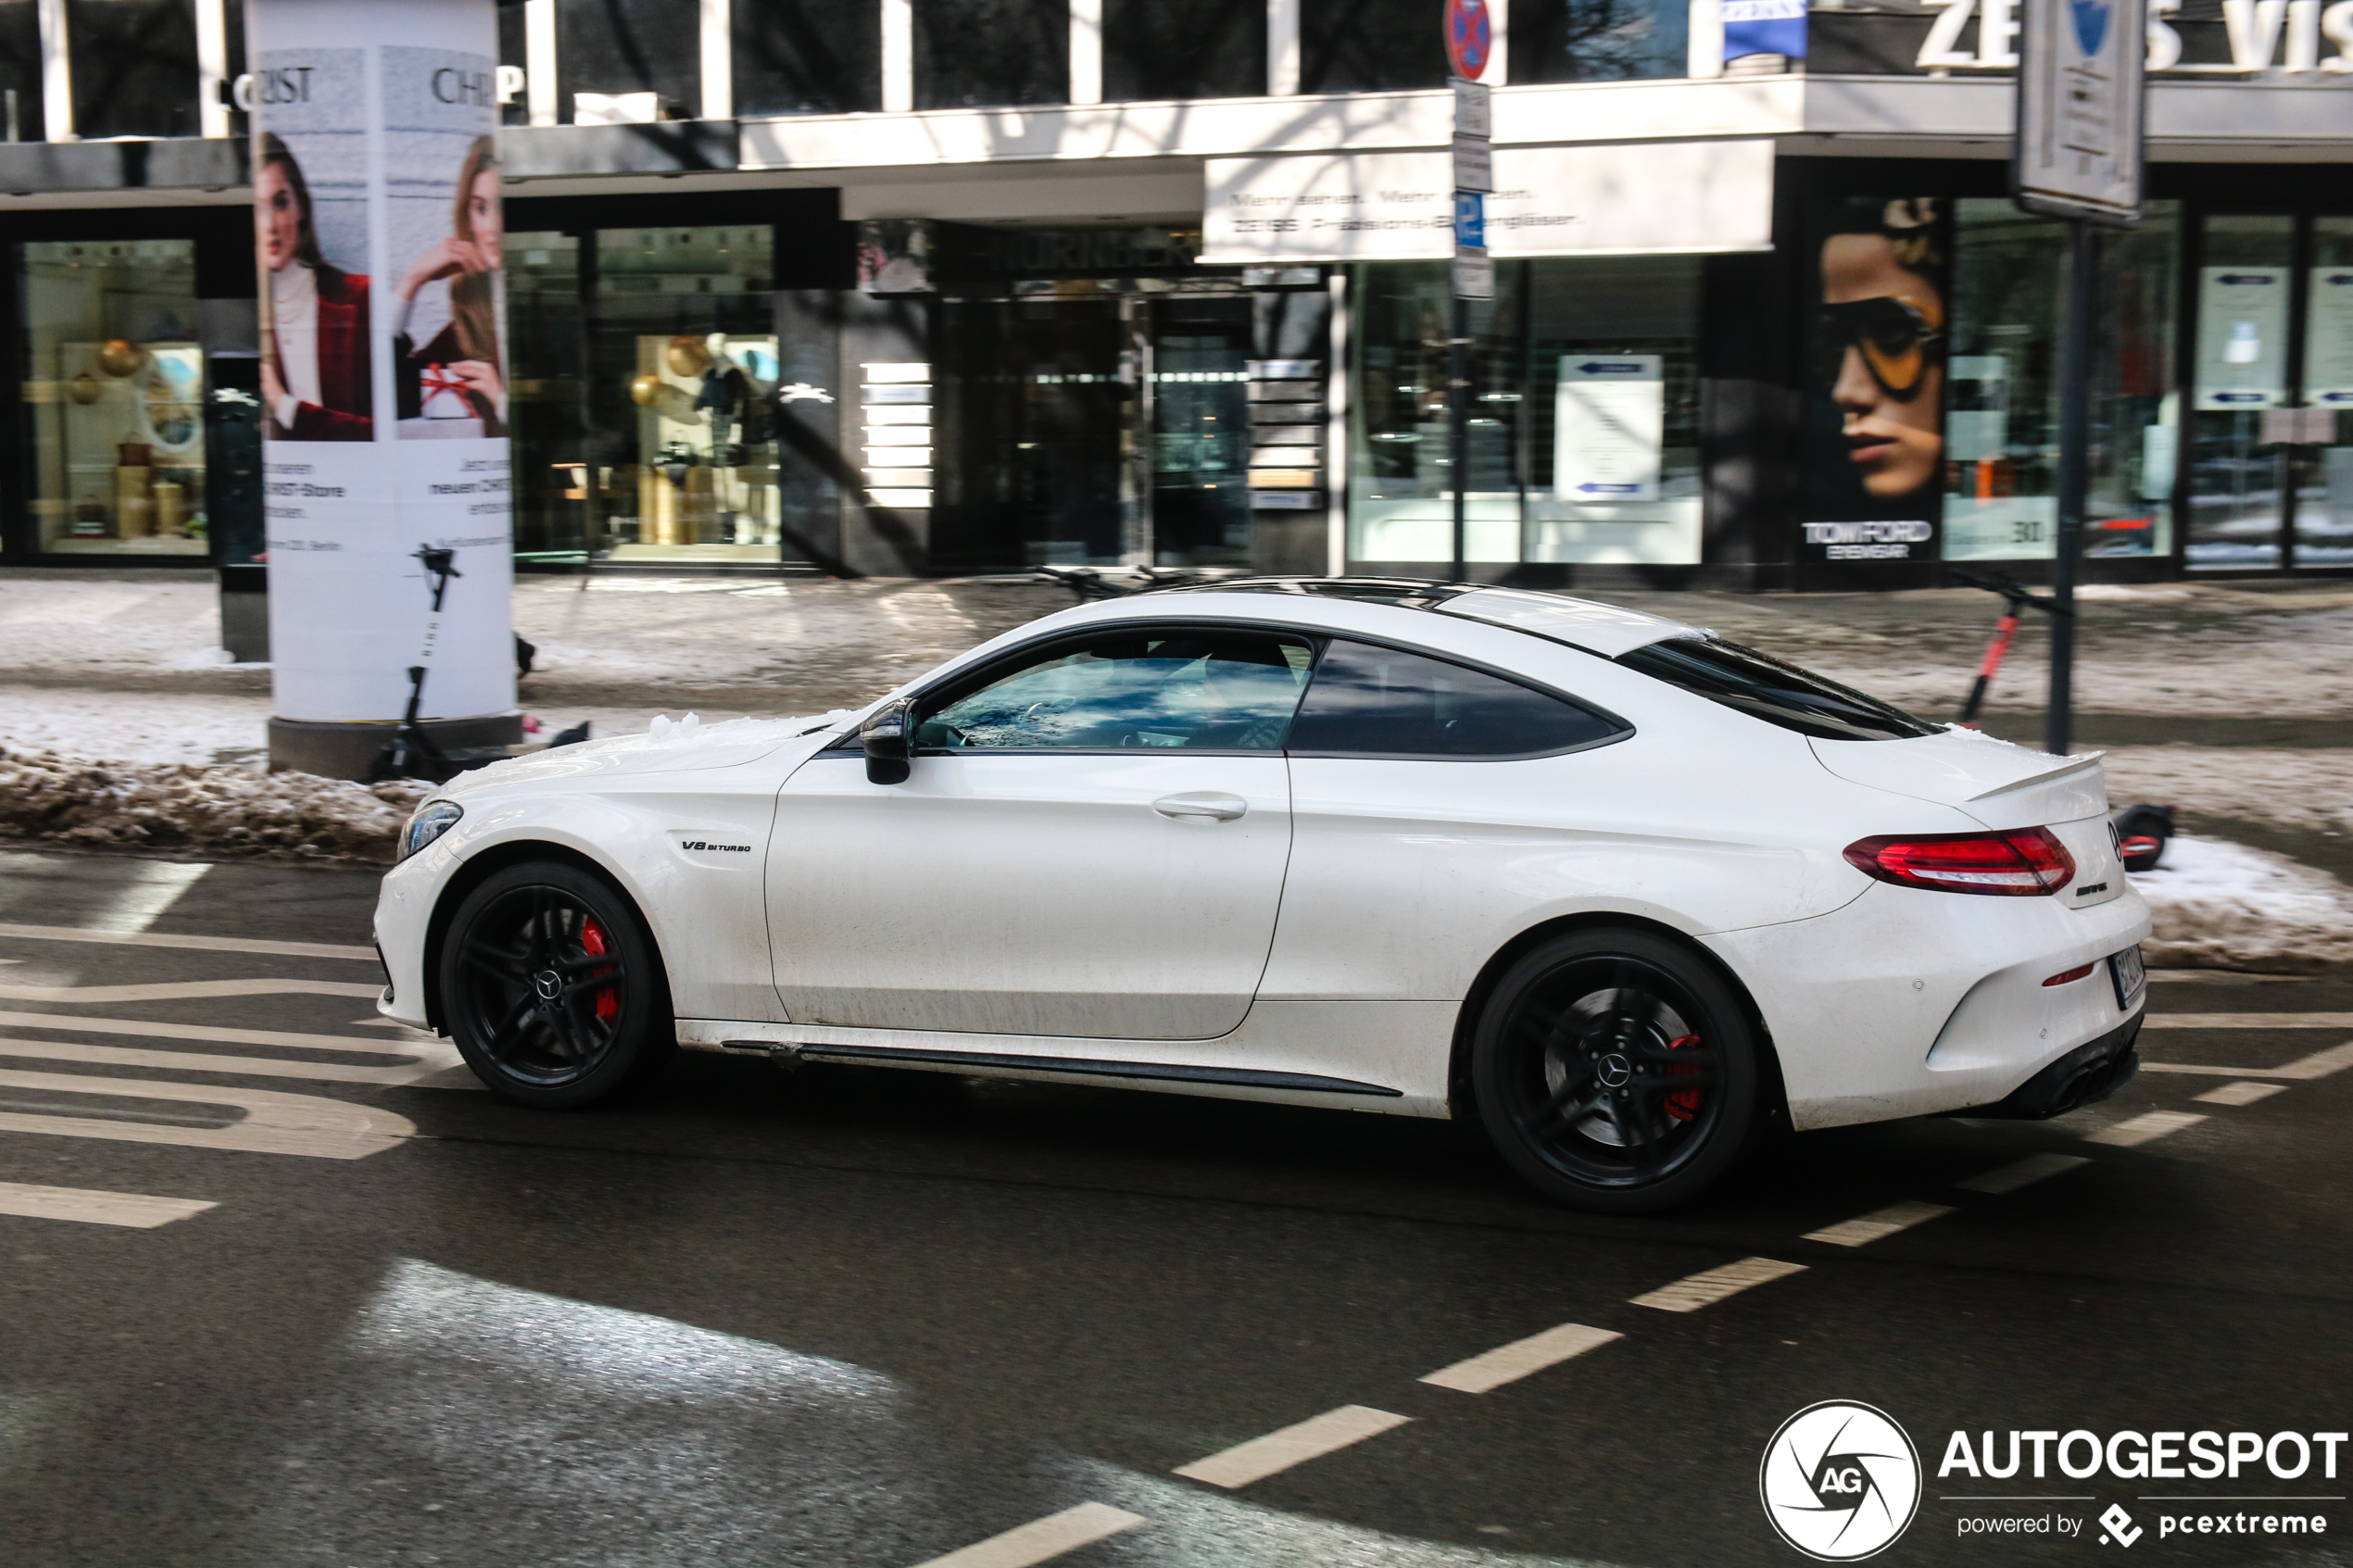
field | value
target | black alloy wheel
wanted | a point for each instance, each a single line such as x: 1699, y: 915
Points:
x: 1616, y: 1070
x: 550, y: 987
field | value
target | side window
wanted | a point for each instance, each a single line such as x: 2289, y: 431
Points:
x: 1378, y: 702
x: 1207, y: 691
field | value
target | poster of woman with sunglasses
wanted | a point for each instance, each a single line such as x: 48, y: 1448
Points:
x: 1874, y: 454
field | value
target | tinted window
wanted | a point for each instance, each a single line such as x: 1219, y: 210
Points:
x: 1213, y: 691
x: 1184, y: 49
x: 1377, y: 702
x: 808, y: 57
x: 1781, y: 693
x: 971, y: 52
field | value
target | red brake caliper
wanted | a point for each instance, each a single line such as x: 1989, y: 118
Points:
x: 592, y: 942
x: 1683, y: 1104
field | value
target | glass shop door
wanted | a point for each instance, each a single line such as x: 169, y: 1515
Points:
x: 2271, y: 460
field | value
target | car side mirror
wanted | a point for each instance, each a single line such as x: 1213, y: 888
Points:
x: 888, y: 742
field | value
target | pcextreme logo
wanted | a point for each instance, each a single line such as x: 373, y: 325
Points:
x: 1841, y: 1481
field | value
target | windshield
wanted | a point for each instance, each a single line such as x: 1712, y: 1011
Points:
x: 1763, y: 687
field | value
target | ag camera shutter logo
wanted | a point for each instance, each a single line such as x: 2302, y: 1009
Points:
x: 1841, y: 1481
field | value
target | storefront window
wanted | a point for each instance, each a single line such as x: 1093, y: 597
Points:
x: 20, y: 113
x: 114, y: 381
x: 970, y: 53
x: 134, y: 67
x: 2002, y: 396
x: 682, y: 373
x: 1184, y: 49
x: 1599, y: 39
x: 1369, y: 45
x: 1585, y: 437
x: 543, y: 329
x: 2325, y: 494
x: 2239, y: 467
x: 630, y: 60
x: 808, y: 57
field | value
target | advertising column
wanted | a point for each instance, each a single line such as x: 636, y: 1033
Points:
x: 378, y: 231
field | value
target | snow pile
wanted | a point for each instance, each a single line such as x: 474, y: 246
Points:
x: 2218, y: 905
x: 2277, y: 785
x: 215, y: 811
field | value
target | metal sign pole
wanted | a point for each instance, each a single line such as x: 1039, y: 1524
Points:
x: 1458, y: 428
x: 1474, y: 270
x: 2078, y: 152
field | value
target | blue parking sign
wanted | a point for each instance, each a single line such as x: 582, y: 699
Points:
x: 1471, y: 219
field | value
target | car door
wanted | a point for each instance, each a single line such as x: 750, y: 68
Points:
x: 1091, y: 841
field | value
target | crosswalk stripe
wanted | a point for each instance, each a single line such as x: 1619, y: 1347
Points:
x: 275, y: 1122
x: 1277, y: 1451
x: 74, y: 1024
x: 1879, y: 1224
x: 184, y: 991
x: 2240, y: 1094
x: 1509, y: 1364
x: 1707, y: 1289
x: 2143, y: 1128
x: 93, y: 1207
x: 1041, y: 1538
x: 432, y: 1057
x: 197, y: 944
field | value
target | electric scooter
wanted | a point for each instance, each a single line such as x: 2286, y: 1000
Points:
x: 411, y: 753
x: 2140, y: 831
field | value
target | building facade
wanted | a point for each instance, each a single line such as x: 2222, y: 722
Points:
x: 910, y: 287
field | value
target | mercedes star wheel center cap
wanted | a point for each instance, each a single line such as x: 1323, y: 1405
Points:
x: 549, y: 983
x: 1614, y: 1070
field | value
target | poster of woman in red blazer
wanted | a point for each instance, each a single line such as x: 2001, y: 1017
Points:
x: 315, y: 361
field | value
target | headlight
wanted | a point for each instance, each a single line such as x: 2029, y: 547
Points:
x: 433, y: 818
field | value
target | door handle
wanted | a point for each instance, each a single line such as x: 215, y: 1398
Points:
x: 1212, y: 806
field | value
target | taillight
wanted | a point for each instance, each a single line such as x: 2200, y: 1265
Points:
x: 2029, y: 863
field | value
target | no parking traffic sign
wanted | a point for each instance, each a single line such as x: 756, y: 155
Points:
x: 1470, y: 37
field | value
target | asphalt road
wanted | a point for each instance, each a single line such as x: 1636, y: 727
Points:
x: 864, y: 1319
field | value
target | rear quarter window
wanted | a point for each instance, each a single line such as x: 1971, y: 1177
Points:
x: 1763, y: 687
x: 1370, y: 701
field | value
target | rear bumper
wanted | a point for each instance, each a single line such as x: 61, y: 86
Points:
x: 2085, y: 1075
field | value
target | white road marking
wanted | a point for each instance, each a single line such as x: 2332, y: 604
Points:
x: 1705, y: 1290
x: 144, y: 938
x: 1509, y: 1364
x: 1041, y: 1538
x: 274, y: 1123
x: 2248, y: 1020
x: 2023, y: 1173
x: 97, y: 1207
x: 1311, y: 1438
x: 2320, y: 1064
x: 186, y: 991
x: 148, y: 894
x: 431, y: 1058
x: 2240, y: 1094
x: 1881, y: 1223
x: 2145, y: 1127
x: 212, y: 1033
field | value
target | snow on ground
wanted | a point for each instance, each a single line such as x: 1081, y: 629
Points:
x: 2281, y: 787
x: 210, y: 811
x: 2218, y: 905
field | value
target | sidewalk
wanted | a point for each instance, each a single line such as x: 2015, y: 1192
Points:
x: 2232, y: 702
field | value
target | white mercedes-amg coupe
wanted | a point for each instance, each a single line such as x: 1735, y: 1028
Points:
x: 1622, y: 890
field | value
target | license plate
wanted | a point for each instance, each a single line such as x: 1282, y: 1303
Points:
x: 2130, y: 975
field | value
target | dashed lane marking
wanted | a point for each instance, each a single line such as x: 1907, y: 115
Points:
x: 1881, y: 1223
x: 2320, y: 1064
x: 1041, y: 1538
x: 73, y: 1023
x: 2240, y: 1094
x: 1276, y: 1451
x: 1509, y: 1364
x: 2143, y: 1128
x: 199, y: 944
x: 2023, y: 1173
x: 93, y: 1206
x: 435, y: 1058
x: 2248, y: 1020
x: 1705, y: 1290
x: 273, y: 1122
x: 186, y: 991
